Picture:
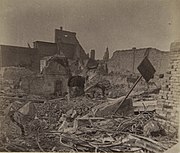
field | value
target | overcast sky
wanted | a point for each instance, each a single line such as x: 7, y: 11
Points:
x: 118, y: 24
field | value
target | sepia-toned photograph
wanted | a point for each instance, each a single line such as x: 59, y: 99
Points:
x: 90, y: 76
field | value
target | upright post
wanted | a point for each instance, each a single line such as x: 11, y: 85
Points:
x: 128, y: 93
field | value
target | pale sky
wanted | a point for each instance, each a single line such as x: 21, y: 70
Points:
x: 118, y: 24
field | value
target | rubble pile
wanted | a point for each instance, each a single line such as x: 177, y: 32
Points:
x: 11, y: 77
x: 76, y: 125
x: 117, y: 91
x: 99, y: 89
x: 99, y: 120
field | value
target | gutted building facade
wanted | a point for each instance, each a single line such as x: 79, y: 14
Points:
x: 65, y: 43
x: 53, y: 78
x: 53, y: 62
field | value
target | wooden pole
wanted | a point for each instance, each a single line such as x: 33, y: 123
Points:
x: 128, y: 93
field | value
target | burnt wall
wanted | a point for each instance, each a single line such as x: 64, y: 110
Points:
x: 69, y: 44
x: 128, y: 60
x: 54, y: 78
x: 45, y: 48
x: 68, y: 50
x: 44, y: 84
x: 65, y: 36
x: 19, y: 56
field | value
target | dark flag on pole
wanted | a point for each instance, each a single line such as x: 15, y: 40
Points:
x: 146, y: 69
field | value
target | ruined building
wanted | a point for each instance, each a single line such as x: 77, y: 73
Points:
x: 53, y: 78
x: 65, y: 43
x: 128, y: 60
x: 53, y: 62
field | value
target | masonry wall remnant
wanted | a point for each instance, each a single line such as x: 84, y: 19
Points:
x: 18, y: 56
x: 169, y: 98
x: 69, y: 45
x: 128, y: 60
x: 52, y: 80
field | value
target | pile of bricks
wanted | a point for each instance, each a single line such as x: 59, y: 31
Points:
x: 169, y: 96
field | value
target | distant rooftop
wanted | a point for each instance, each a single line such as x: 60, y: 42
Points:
x: 44, y: 42
x: 13, y: 46
x: 141, y: 49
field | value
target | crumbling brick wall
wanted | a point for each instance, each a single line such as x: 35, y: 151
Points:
x: 169, y: 97
x: 45, y: 85
x: 128, y: 60
x: 53, y: 79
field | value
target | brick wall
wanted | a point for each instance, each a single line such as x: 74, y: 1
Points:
x: 69, y: 44
x: 128, y: 60
x: 45, y: 49
x: 47, y: 82
x: 18, y: 56
x: 0, y: 57
x: 44, y: 84
x: 169, y: 97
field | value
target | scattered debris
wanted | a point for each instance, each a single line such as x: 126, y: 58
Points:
x: 98, y: 116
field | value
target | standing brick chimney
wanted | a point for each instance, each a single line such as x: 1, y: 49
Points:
x: 106, y: 55
x: 92, y: 54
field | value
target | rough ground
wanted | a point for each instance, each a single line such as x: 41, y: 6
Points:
x: 61, y: 125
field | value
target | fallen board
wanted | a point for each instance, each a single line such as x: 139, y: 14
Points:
x: 145, y: 105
